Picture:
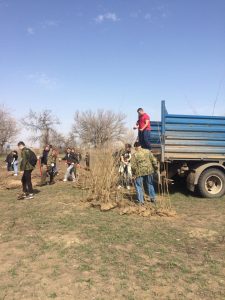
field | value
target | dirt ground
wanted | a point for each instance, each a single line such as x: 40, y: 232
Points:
x: 55, y: 247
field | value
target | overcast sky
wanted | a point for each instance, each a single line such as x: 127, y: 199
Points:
x: 66, y: 55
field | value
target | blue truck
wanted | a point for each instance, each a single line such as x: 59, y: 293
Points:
x: 192, y: 147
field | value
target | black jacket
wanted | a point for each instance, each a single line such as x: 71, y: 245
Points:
x: 71, y: 158
x: 44, y: 158
x: 9, y: 158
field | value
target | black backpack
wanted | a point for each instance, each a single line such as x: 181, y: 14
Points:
x: 32, y: 158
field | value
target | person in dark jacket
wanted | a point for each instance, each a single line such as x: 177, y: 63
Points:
x: 44, y: 157
x: 44, y: 162
x: 51, y: 165
x: 71, y: 161
x: 9, y: 160
x: 27, y: 169
x: 78, y: 158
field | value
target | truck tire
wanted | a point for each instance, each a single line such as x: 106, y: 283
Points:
x: 211, y: 183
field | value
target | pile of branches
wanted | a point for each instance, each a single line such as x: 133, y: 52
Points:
x: 101, y: 189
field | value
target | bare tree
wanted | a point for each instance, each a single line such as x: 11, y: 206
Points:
x: 129, y: 137
x: 8, y: 128
x: 42, y: 125
x: 71, y: 140
x: 99, y: 128
x: 57, y: 139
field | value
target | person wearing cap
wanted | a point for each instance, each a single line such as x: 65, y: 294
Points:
x: 144, y: 129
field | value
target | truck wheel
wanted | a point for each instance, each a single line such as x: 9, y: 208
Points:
x: 211, y: 183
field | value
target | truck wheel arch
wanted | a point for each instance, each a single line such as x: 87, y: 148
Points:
x: 198, y: 171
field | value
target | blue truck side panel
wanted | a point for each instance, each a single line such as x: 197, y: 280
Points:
x: 156, y: 141
x: 189, y: 137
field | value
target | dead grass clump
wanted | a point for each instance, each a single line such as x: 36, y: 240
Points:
x: 101, y: 189
x: 102, y: 179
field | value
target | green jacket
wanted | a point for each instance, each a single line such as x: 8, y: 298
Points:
x: 24, y: 164
x: 143, y: 163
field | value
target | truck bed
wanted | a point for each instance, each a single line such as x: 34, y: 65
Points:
x: 188, y: 137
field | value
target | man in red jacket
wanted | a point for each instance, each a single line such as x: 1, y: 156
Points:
x: 144, y: 129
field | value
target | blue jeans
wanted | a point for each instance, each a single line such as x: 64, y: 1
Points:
x: 69, y: 172
x: 147, y: 182
x: 15, y: 167
x: 145, y: 139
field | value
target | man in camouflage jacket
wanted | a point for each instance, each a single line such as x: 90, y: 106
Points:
x: 143, y: 166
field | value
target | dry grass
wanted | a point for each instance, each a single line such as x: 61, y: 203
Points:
x: 101, y: 184
x: 99, y: 187
x: 103, y: 177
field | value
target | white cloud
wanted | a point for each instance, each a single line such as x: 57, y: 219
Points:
x: 157, y: 14
x: 43, y: 80
x: 107, y: 17
x: 163, y: 11
x: 41, y: 26
x: 49, y: 23
x: 30, y: 30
